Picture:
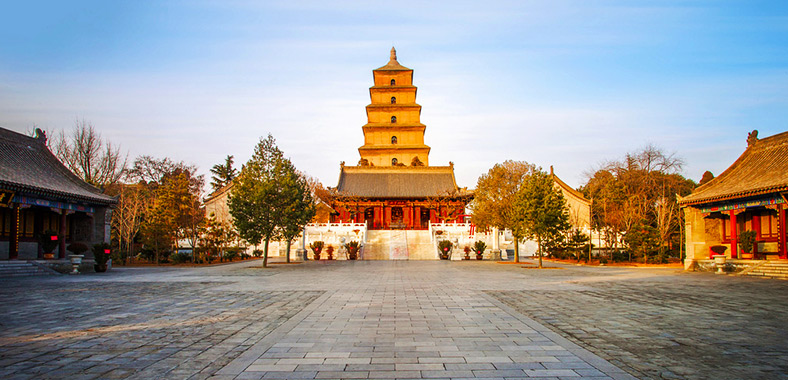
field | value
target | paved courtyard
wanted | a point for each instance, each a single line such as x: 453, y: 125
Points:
x: 389, y: 320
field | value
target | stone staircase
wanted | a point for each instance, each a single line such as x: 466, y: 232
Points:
x: 21, y: 268
x: 771, y: 269
x: 420, y: 246
x: 398, y: 245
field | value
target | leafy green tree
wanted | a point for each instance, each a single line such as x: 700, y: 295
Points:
x: 540, y: 210
x: 223, y: 174
x: 299, y: 205
x: 269, y: 197
x: 495, y: 193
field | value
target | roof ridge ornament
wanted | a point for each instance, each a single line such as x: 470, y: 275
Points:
x: 393, y: 54
x: 752, y: 138
x: 40, y: 135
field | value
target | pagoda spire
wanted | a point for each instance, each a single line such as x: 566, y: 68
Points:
x: 393, y: 54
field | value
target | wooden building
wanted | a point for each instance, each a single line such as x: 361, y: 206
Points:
x: 393, y: 186
x: 38, y: 194
x: 749, y: 196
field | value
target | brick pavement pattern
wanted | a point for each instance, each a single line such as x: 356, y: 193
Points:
x: 387, y: 320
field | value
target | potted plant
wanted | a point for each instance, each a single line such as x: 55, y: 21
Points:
x: 467, y: 250
x: 330, y: 251
x: 445, y: 249
x: 316, y: 247
x: 747, y: 244
x: 479, y: 247
x: 352, y: 250
x: 49, y: 241
x: 101, y: 254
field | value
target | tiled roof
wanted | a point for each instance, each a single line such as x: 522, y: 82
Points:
x: 761, y: 169
x: 397, y: 182
x: 27, y: 165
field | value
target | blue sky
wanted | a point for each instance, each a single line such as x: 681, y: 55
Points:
x: 563, y: 83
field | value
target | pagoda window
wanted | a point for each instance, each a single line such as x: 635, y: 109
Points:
x: 393, y: 100
x: 393, y: 82
x: 393, y: 139
x: 393, y: 119
x: 393, y: 162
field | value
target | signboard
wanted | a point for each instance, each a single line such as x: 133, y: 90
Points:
x: 53, y: 204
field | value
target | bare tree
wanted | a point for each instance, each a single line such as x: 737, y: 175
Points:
x: 84, y: 152
x: 133, y: 201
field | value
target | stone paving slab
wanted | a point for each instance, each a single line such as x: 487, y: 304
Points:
x: 682, y: 326
x: 120, y: 330
x: 392, y: 320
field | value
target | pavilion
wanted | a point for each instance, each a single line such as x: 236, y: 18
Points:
x: 38, y: 194
x: 749, y: 196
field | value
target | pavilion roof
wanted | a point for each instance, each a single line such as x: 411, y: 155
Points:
x: 27, y: 165
x: 761, y: 169
x: 398, y: 182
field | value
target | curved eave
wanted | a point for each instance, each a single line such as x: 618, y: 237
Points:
x: 395, y: 147
x: 732, y: 196
x: 58, y: 195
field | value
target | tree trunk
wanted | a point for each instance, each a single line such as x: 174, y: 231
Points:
x: 265, y: 254
x: 516, y: 248
x: 539, y: 248
x: 287, y: 253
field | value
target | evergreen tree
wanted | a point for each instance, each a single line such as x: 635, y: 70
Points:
x: 223, y: 174
x: 300, y: 206
x: 269, y: 197
x: 540, y: 210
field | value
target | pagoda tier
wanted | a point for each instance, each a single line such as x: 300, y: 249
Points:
x: 394, y: 134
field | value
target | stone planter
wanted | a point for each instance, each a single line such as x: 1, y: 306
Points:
x: 719, y: 262
x: 76, y: 261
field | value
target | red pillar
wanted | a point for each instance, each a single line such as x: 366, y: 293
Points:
x: 781, y: 229
x: 386, y: 217
x: 62, y: 235
x: 406, y: 217
x: 13, y: 251
x: 734, y: 236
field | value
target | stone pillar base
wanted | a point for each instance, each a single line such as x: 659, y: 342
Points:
x: 690, y: 264
x: 495, y: 255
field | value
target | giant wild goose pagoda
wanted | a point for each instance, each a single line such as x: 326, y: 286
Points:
x: 393, y: 187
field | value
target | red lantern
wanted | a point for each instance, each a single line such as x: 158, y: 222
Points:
x: 53, y: 238
x: 106, y: 251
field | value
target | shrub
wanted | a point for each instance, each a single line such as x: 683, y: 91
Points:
x: 230, y: 254
x: 445, y: 246
x: 479, y: 246
x: 48, y: 240
x: 257, y: 253
x: 77, y: 248
x: 181, y: 257
x: 101, y: 253
x: 316, y: 246
x: 747, y: 241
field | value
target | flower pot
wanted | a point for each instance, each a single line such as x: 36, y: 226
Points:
x: 49, y: 256
x: 351, y: 256
x: 444, y: 256
x: 479, y: 256
x: 747, y: 256
x: 317, y: 256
